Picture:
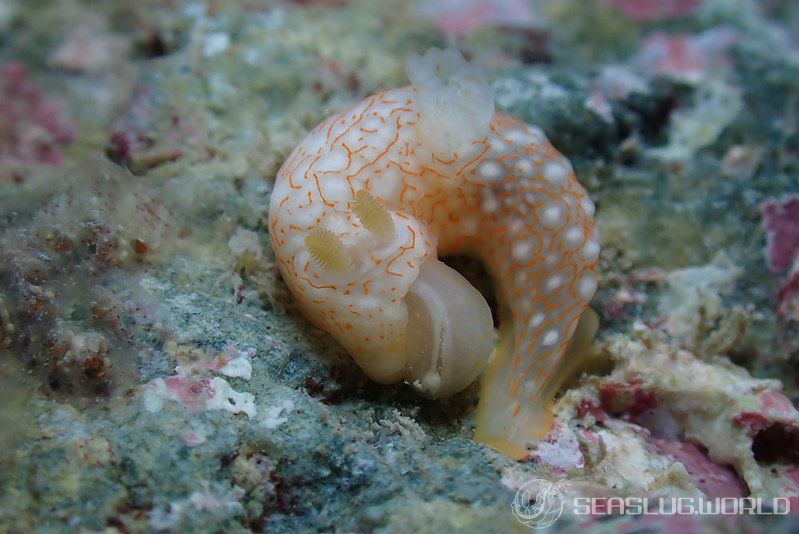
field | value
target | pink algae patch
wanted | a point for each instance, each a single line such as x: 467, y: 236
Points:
x: 192, y: 392
x: 628, y: 400
x: 712, y: 479
x: 781, y: 222
x: 686, y: 57
x: 754, y: 422
x: 192, y: 438
x: 649, y: 10
x: 458, y: 18
x: 616, y: 307
x: 586, y: 407
x: 33, y: 129
x: 771, y: 401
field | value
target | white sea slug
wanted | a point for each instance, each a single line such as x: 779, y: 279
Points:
x: 366, y: 204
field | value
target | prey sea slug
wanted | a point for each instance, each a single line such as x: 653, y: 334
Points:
x: 366, y: 204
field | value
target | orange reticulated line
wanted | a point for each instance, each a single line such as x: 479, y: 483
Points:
x: 433, y: 171
x: 443, y: 161
x: 375, y: 160
x: 403, y: 250
x: 357, y: 121
x: 401, y: 110
x: 403, y: 170
x: 307, y: 171
x: 321, y: 195
x: 472, y: 161
x: 315, y: 286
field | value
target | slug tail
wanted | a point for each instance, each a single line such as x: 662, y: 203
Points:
x: 512, y: 414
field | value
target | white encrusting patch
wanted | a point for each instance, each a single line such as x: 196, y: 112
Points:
x: 550, y: 338
x: 552, y: 215
x: 587, y: 286
x: 521, y: 250
x: 554, y: 172
x: 490, y: 170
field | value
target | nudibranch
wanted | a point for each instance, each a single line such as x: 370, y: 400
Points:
x: 364, y: 207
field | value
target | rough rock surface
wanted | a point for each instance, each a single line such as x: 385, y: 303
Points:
x: 155, y: 375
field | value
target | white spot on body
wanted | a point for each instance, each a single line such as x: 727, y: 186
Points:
x: 490, y: 170
x: 497, y: 145
x: 534, y: 136
x: 573, y: 236
x: 536, y: 320
x: 552, y: 215
x: 550, y: 338
x: 524, y: 167
x: 520, y: 250
x: 554, y: 282
x: 554, y: 172
x: 587, y: 286
x: 490, y: 203
x: 591, y: 250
